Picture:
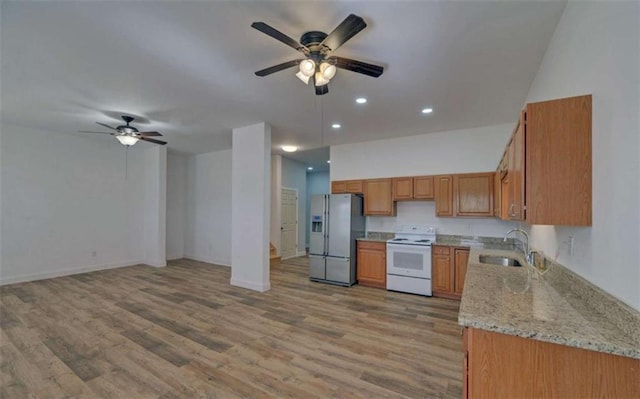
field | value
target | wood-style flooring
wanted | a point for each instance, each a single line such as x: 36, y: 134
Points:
x: 183, y: 332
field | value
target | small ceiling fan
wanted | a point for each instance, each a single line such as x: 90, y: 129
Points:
x: 129, y: 135
x: 317, y: 47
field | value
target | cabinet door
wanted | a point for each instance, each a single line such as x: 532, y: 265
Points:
x: 558, y: 162
x: 372, y: 264
x: 460, y: 259
x: 377, y: 197
x: 354, y: 186
x: 497, y: 194
x: 338, y: 187
x: 444, y: 195
x: 423, y: 187
x: 516, y: 172
x: 402, y: 188
x: 441, y: 270
x: 473, y: 194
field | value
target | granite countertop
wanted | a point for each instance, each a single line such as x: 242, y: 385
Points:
x: 517, y: 301
x: 475, y: 242
x: 376, y: 236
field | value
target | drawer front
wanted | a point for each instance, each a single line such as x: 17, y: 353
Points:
x: 441, y: 250
x: 380, y: 246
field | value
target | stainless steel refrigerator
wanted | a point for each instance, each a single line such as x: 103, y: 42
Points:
x: 336, y: 222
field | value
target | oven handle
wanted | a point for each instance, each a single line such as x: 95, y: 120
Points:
x: 408, y: 246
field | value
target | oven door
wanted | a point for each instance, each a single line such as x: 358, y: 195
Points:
x: 409, y: 260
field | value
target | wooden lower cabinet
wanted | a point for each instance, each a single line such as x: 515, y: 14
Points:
x: 460, y: 260
x: 441, y: 271
x: 448, y: 270
x: 505, y: 366
x: 372, y: 264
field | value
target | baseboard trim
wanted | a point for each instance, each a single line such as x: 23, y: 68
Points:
x: 206, y: 260
x: 66, y: 272
x: 301, y: 253
x: 251, y: 285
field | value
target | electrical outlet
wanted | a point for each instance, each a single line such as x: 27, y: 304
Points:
x: 94, y: 254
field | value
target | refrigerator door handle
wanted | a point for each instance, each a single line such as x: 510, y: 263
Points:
x: 326, y: 223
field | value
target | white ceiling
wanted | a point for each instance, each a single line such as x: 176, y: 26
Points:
x: 187, y: 68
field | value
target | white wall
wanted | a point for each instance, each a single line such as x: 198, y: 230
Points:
x: 176, y: 204
x: 317, y: 183
x: 424, y: 212
x: 294, y: 175
x: 251, y: 206
x: 458, y: 151
x: 66, y: 198
x: 208, y: 201
x: 155, y: 206
x: 595, y: 50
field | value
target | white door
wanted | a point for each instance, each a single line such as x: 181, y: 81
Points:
x: 289, y: 226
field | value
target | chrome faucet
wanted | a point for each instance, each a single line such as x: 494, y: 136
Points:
x: 527, y: 252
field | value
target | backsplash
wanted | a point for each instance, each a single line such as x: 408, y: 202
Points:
x: 424, y: 212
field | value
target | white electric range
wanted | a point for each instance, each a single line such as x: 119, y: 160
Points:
x: 409, y: 259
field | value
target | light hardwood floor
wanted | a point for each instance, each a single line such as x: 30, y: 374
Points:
x: 184, y: 332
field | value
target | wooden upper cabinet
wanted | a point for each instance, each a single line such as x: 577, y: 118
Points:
x: 497, y: 193
x: 338, y: 187
x: 558, y: 170
x: 413, y: 187
x: 378, y: 198
x: 444, y: 195
x: 516, y: 209
x: 473, y: 194
x: 402, y: 188
x: 346, y: 187
x: 423, y: 187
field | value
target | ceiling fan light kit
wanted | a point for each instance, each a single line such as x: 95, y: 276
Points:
x: 126, y: 139
x: 128, y: 135
x: 317, y: 48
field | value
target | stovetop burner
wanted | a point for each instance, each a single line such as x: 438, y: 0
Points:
x: 415, y: 235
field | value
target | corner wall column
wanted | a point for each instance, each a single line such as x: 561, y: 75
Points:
x: 251, y: 207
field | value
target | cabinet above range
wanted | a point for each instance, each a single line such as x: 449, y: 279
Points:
x: 467, y: 194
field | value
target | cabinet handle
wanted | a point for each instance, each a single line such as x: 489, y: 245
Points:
x: 511, y: 210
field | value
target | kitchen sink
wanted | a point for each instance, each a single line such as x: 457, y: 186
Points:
x: 500, y: 260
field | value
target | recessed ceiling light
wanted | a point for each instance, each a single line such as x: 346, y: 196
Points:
x: 328, y: 161
x: 310, y: 168
x: 427, y: 110
x: 336, y: 126
x: 289, y: 148
x: 361, y: 100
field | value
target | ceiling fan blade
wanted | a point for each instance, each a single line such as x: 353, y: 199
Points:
x: 321, y: 90
x: 149, y: 134
x: 277, y: 68
x: 276, y: 34
x: 107, y: 126
x: 345, y: 31
x: 359, y: 66
x: 153, y: 141
x: 85, y: 131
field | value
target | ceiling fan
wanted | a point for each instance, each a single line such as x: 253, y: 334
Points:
x: 317, y: 47
x: 129, y: 135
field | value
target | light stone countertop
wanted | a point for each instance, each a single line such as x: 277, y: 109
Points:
x: 505, y: 300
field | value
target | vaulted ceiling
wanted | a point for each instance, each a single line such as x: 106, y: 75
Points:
x: 187, y: 68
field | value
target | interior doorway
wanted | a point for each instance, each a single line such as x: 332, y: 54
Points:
x: 289, y: 223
